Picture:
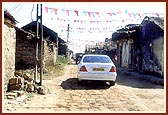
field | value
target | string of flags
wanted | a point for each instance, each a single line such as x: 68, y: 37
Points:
x: 90, y: 30
x: 95, y: 22
x: 94, y: 14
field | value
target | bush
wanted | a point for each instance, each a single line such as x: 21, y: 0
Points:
x: 61, y: 60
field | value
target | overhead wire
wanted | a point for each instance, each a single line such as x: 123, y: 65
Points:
x: 19, y: 9
x: 32, y: 13
x: 13, y: 8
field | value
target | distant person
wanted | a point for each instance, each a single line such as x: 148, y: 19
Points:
x: 115, y: 59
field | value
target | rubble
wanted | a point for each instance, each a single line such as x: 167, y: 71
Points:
x: 30, y: 87
x: 11, y: 95
x: 22, y: 82
x: 42, y: 90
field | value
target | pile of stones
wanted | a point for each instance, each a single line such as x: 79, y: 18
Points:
x: 22, y: 82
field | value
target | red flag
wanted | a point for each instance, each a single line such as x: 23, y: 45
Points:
x: 97, y: 13
x: 76, y: 13
x: 139, y: 15
x: 129, y: 15
x: 89, y: 14
x: 118, y: 12
x: 46, y: 9
x: 67, y: 12
x: 55, y: 10
x: 157, y: 14
x: 110, y: 14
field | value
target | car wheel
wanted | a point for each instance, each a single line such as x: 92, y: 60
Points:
x: 112, y: 83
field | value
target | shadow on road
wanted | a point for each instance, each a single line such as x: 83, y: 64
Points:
x: 136, y: 82
x: 72, y: 84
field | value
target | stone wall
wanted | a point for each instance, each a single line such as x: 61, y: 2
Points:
x: 156, y: 64
x: 8, y: 52
x: 153, y: 49
x: 49, y: 53
x: 26, y: 52
x: 158, y: 51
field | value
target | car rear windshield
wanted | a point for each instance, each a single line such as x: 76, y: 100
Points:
x: 96, y: 59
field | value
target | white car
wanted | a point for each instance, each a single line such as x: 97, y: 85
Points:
x: 96, y: 67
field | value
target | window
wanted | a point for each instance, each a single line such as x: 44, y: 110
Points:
x: 96, y: 59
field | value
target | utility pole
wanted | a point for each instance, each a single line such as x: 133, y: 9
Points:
x: 42, y: 48
x: 67, y: 53
x: 56, y: 49
x: 37, y: 45
x: 39, y: 18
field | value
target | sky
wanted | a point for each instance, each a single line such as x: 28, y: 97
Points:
x: 99, y: 26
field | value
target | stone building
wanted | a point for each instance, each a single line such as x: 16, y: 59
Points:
x: 26, y: 47
x: 141, y: 46
x: 110, y: 48
x: 126, y: 40
x: 8, y: 48
x: 152, y: 52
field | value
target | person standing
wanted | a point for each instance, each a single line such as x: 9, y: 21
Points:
x: 115, y: 59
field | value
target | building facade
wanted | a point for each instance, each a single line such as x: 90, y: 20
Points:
x: 140, y: 47
x: 8, y: 48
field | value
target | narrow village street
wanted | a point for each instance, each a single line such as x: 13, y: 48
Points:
x: 42, y: 47
x: 130, y: 94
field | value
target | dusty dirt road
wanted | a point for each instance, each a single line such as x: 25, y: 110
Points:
x: 130, y: 94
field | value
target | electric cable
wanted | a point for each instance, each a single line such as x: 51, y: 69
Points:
x: 13, y: 8
x: 19, y: 9
x: 32, y: 13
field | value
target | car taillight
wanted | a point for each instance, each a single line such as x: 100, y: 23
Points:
x: 83, y: 69
x: 113, y: 69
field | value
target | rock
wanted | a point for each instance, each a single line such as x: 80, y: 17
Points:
x: 21, y: 80
x: 19, y: 93
x: 25, y: 77
x: 14, y: 87
x: 42, y: 90
x: 11, y: 95
x: 30, y: 80
x: 35, y: 87
x: 18, y: 74
x: 14, y: 81
x: 30, y: 87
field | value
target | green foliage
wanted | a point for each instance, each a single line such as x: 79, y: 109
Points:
x: 57, y: 69
x: 62, y: 61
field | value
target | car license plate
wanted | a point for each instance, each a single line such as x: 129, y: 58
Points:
x: 98, y: 69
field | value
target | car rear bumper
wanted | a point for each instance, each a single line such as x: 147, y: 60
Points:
x: 101, y: 77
